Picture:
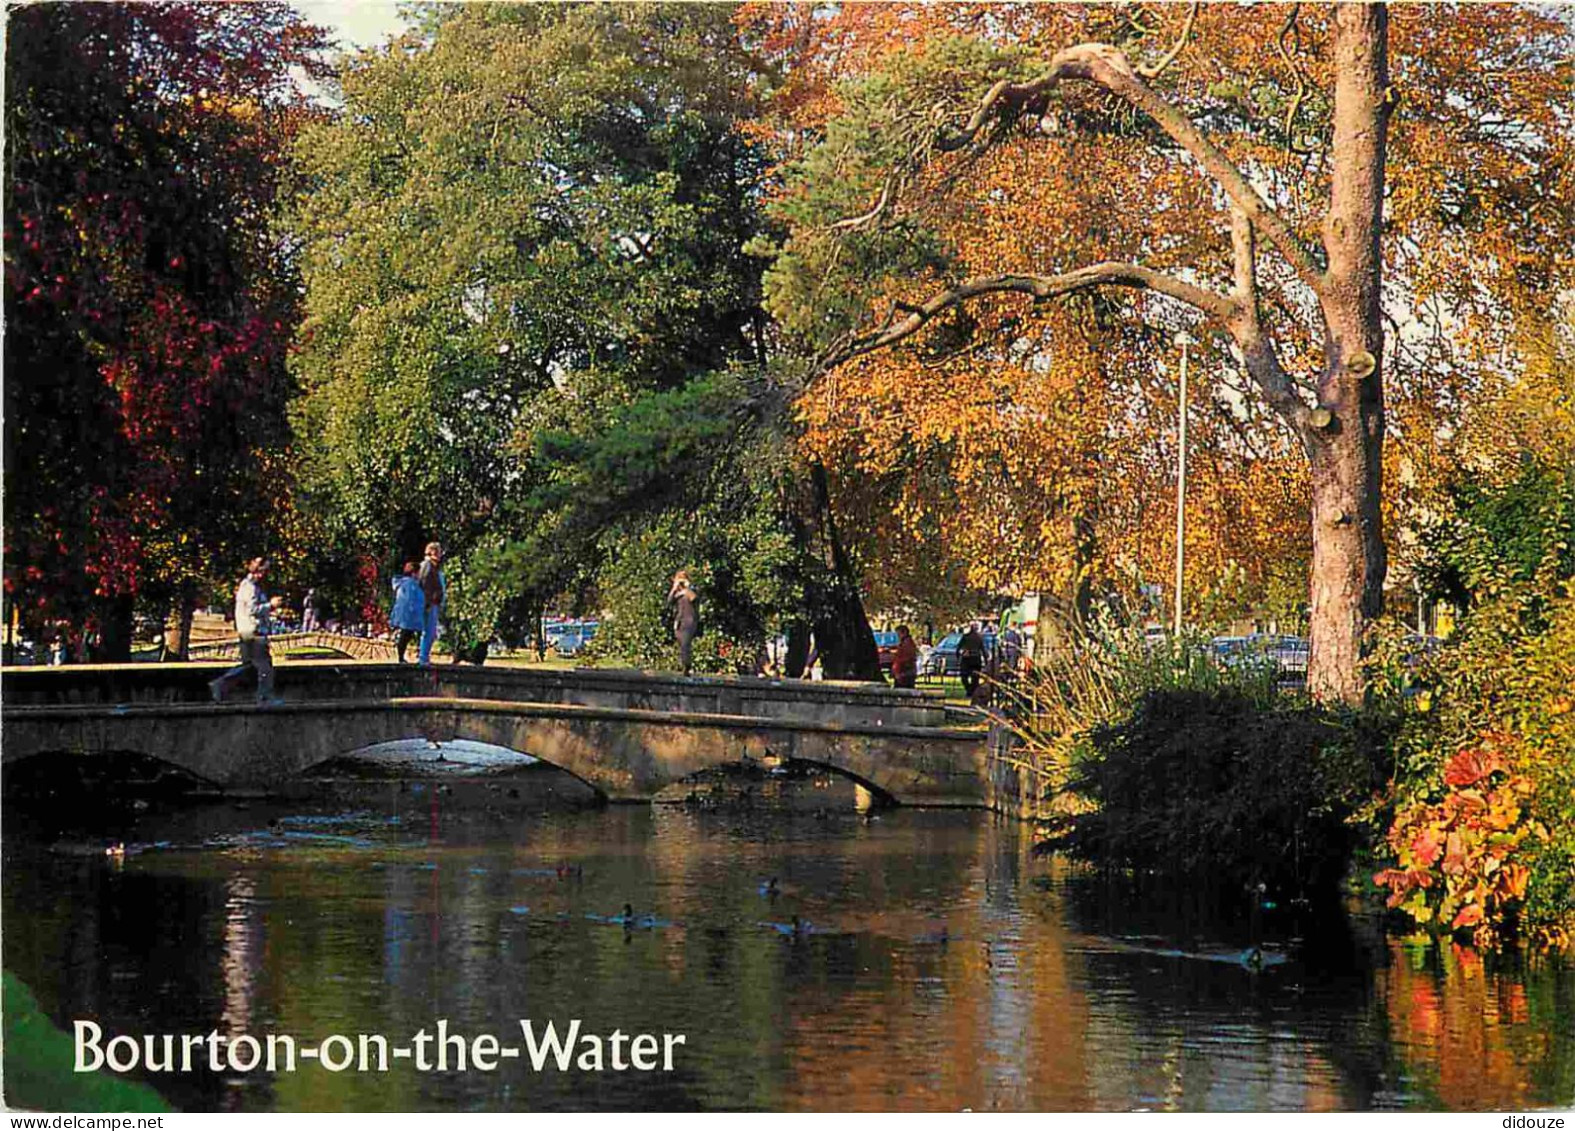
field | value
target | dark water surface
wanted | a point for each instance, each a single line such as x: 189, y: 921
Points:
x: 943, y: 966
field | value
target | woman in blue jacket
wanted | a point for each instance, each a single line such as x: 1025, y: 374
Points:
x: 409, y: 609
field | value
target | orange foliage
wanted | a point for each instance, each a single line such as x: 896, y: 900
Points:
x: 1457, y: 860
x: 1044, y: 453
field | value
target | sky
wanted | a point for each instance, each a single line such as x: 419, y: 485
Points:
x: 357, y: 23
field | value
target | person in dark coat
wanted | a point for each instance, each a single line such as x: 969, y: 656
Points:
x: 434, y: 589
x: 970, y: 660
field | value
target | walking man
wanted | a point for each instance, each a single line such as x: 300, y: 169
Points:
x: 434, y: 589
x: 686, y: 618
x: 253, y: 622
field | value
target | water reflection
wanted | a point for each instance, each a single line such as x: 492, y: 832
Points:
x: 942, y: 967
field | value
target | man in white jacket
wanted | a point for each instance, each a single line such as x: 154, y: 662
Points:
x: 253, y: 622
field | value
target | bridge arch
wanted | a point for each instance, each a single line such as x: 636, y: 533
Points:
x: 341, y: 644
x: 882, y: 795
x: 117, y: 770
x: 484, y: 763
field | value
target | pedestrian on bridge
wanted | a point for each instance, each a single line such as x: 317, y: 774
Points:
x: 309, y: 611
x: 409, y: 615
x: 905, y: 664
x: 434, y: 589
x: 686, y: 617
x: 253, y: 622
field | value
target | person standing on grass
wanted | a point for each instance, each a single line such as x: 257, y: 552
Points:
x: 905, y: 664
x: 409, y: 615
x: 970, y: 660
x: 686, y: 618
x: 434, y: 590
x: 253, y: 622
x: 1011, y: 652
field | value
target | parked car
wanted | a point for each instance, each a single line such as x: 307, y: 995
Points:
x: 886, y: 649
x: 574, y: 637
x: 1291, y: 653
x: 1288, y: 654
x: 1228, y: 651
x: 943, y: 658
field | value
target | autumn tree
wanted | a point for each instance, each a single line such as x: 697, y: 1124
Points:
x: 1185, y: 160
x: 148, y: 307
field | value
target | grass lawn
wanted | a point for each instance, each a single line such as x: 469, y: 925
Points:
x: 526, y: 658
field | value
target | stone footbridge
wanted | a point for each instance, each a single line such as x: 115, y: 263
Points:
x: 627, y: 734
x: 352, y: 647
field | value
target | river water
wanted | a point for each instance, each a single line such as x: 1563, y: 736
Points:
x: 935, y: 962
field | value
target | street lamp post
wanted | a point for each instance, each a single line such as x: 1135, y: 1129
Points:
x: 1185, y: 342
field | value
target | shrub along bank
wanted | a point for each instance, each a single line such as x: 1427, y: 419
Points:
x: 1480, y: 820
x: 1224, y: 791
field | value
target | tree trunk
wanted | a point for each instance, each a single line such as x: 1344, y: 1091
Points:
x: 1085, y: 546
x: 842, y: 631
x: 177, y: 644
x: 1348, y: 566
x: 1346, y: 456
x: 797, y: 658
x: 114, y: 630
x: 844, y: 638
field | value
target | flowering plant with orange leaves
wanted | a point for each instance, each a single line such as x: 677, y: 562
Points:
x: 1457, y: 865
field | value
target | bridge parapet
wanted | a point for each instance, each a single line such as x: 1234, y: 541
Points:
x: 845, y: 704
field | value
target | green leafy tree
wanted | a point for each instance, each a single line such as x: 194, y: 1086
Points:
x: 523, y: 216
x: 688, y: 479
x: 524, y: 241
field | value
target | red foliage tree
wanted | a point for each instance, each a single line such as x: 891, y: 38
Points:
x: 149, y: 306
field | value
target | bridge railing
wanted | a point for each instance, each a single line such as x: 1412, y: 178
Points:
x: 320, y: 680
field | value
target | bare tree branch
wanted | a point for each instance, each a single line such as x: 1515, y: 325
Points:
x: 853, y: 223
x: 1244, y: 247
x: 1153, y: 72
x: 1040, y: 287
x: 1257, y: 348
x: 1289, y: 29
x: 1109, y: 67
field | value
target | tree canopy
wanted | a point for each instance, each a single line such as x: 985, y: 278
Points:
x: 523, y: 240
x: 952, y: 169
x: 148, y: 308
